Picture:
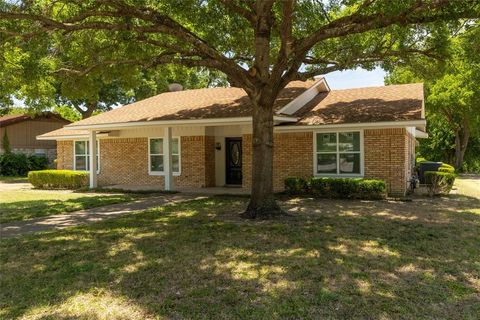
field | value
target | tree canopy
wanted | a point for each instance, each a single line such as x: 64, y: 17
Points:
x: 453, y: 94
x: 259, y: 45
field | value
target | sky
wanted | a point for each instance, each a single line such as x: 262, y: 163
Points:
x: 355, y: 78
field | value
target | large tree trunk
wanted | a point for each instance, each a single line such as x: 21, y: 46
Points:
x: 462, y: 135
x: 262, y: 202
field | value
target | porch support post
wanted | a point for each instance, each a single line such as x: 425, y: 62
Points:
x: 92, y: 144
x: 167, y: 158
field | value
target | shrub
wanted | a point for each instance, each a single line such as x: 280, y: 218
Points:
x: 295, y: 185
x: 446, y: 168
x: 439, y: 182
x: 37, y: 163
x: 12, y: 164
x: 420, y: 159
x: 58, y: 179
x: 18, y: 164
x: 346, y: 188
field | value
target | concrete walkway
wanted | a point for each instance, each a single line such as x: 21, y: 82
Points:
x: 60, y: 221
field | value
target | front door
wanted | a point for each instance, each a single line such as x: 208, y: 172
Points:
x: 233, y: 150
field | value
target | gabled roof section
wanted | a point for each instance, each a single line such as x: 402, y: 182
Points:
x: 293, y: 106
x: 208, y: 103
x: 16, y: 118
x: 402, y: 102
x: 13, y: 118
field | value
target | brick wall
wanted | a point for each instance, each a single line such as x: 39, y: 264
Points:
x: 388, y: 154
x: 386, y: 157
x: 125, y: 161
x: 198, y: 162
x: 292, y: 157
x: 65, y: 155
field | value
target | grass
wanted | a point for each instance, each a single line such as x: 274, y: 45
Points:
x: 197, y: 260
x: 27, y: 204
x: 14, y: 179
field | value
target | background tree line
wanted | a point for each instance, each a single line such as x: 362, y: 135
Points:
x: 452, y: 98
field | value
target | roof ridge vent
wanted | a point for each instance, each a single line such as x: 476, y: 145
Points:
x: 173, y: 87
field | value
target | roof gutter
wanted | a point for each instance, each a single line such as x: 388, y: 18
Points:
x: 188, y: 122
x: 365, y: 125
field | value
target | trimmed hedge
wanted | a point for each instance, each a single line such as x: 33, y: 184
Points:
x: 18, y: 164
x: 439, y: 182
x: 342, y: 188
x: 58, y: 179
x: 446, y: 168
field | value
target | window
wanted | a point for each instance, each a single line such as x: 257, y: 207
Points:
x: 82, y: 156
x: 41, y: 152
x: 338, y: 153
x: 156, y: 156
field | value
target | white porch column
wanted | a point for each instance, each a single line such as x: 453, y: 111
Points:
x: 167, y: 158
x: 92, y: 144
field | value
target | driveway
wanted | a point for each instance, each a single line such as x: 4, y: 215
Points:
x: 468, y: 185
x: 15, y: 186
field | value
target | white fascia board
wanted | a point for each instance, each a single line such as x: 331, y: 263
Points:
x: 304, y: 98
x: 174, y: 123
x: 363, y: 125
x: 126, y: 125
x: 70, y: 137
x: 420, y: 134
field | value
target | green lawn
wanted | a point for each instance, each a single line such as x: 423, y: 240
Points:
x: 9, y: 179
x: 26, y: 204
x: 330, y: 259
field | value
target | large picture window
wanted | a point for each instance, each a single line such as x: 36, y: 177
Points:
x: 156, y: 155
x: 338, y: 153
x: 82, y: 156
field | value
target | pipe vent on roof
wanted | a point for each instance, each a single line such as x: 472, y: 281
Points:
x: 175, y: 87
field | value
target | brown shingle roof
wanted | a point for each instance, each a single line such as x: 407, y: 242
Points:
x: 209, y: 103
x: 372, y: 104
x: 12, y: 118
x: 15, y: 118
x: 62, y: 132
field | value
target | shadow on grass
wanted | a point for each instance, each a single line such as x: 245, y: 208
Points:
x: 333, y: 259
x: 28, y: 209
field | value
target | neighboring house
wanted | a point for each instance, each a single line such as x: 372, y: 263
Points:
x: 366, y: 132
x: 22, y: 131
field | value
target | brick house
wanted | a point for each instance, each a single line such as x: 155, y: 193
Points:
x: 21, y: 131
x: 202, y: 138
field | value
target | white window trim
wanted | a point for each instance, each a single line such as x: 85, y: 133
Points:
x: 162, y: 173
x: 75, y: 155
x: 339, y: 175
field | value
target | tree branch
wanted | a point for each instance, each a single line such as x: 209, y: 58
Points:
x: 236, y: 8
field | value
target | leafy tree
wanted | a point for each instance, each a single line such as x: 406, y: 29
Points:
x: 259, y: 45
x: 453, y: 96
x: 6, y: 143
x: 44, y: 78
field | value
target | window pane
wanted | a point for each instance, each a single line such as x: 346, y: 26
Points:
x: 349, y: 141
x: 81, y: 147
x: 156, y: 146
x: 80, y: 163
x: 350, y: 163
x: 326, y: 163
x: 326, y: 142
x: 156, y: 163
x: 174, y: 146
x: 175, y: 163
